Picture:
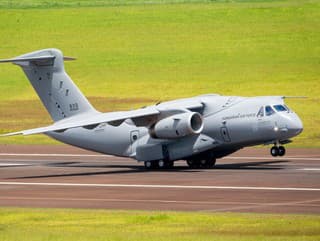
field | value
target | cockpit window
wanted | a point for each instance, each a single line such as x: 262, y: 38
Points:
x: 269, y: 110
x: 280, y: 108
x: 261, y: 112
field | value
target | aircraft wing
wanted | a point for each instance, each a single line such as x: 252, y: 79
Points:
x: 141, y: 117
x: 91, y: 121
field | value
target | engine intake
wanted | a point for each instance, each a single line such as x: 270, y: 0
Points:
x: 177, y: 126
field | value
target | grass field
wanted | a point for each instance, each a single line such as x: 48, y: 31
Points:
x: 133, y: 53
x: 67, y: 224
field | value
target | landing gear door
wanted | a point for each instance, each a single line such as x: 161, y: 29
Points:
x: 134, y: 137
x: 225, y: 134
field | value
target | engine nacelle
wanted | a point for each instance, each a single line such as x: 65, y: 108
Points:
x: 177, y: 126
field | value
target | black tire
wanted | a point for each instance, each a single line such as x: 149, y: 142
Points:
x: 165, y: 164
x: 193, y: 163
x: 149, y: 165
x: 211, y: 162
x: 207, y: 163
x: 282, y: 151
x: 170, y: 164
x: 162, y: 164
x: 203, y: 163
x: 274, y: 151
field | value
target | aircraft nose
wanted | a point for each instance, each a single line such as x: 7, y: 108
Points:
x: 295, y: 125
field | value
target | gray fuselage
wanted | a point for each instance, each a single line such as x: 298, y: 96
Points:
x: 229, y: 124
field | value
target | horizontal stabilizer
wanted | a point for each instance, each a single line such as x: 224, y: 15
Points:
x: 294, y: 97
x: 34, y: 59
x: 28, y: 59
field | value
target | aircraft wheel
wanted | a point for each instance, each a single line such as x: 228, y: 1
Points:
x: 203, y: 163
x: 274, y: 151
x: 170, y: 164
x: 150, y: 165
x: 190, y: 163
x: 161, y: 164
x: 165, y: 164
x: 193, y: 164
x: 207, y: 163
x: 282, y: 151
x: 211, y: 162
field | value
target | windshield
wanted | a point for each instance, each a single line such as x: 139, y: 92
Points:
x: 269, y: 111
x: 280, y: 108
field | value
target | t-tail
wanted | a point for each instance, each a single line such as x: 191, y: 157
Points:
x: 45, y: 71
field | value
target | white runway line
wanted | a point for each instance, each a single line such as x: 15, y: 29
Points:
x: 309, y: 169
x: 101, y: 155
x: 159, y: 186
x: 12, y: 164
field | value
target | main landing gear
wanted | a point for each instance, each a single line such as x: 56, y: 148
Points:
x: 205, y: 163
x: 277, y: 151
x: 192, y: 163
x: 161, y: 164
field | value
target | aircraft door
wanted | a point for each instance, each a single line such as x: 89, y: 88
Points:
x: 134, y: 137
x: 225, y: 134
x: 264, y: 122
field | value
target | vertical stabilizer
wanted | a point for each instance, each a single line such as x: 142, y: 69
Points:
x: 58, y: 93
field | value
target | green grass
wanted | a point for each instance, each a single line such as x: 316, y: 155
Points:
x: 26, y: 4
x: 135, y: 50
x: 67, y: 224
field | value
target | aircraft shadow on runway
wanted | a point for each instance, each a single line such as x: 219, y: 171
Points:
x: 266, y: 165
x: 127, y: 169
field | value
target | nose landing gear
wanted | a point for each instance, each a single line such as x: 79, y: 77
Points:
x: 277, y: 151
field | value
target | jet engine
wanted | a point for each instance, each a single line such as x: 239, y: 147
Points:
x: 177, y: 126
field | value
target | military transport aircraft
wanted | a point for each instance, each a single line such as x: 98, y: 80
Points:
x: 198, y: 129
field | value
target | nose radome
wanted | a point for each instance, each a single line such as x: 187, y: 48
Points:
x: 295, y: 126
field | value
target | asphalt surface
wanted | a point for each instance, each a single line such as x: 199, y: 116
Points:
x: 248, y: 181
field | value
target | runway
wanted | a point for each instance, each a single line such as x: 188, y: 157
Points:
x: 248, y: 181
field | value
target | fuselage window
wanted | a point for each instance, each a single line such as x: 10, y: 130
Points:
x: 280, y: 108
x: 261, y: 112
x: 269, y: 111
